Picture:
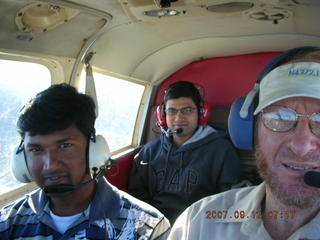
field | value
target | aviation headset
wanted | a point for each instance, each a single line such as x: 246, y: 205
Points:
x: 241, y: 120
x: 204, y: 112
x: 98, y: 155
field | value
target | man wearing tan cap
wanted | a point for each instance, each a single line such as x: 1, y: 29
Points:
x: 287, y: 149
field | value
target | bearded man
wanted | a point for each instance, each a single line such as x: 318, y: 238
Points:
x: 287, y: 146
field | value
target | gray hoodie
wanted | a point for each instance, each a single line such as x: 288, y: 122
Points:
x: 172, y: 178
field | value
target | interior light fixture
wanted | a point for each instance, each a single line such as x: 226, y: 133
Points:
x: 161, y: 13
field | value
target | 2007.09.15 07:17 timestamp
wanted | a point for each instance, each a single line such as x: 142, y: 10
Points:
x: 256, y: 214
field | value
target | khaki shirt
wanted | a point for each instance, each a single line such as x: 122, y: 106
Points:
x: 235, y: 214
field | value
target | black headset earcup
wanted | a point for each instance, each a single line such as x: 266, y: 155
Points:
x: 99, y: 153
x: 19, y: 167
x: 241, y: 129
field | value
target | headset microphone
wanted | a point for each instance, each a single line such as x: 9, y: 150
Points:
x: 312, y: 178
x: 178, y: 131
x: 168, y: 132
x: 64, y: 188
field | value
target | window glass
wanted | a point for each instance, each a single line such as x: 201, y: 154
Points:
x: 18, y: 83
x: 118, y: 102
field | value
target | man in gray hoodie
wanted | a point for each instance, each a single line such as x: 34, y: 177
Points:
x: 189, y: 161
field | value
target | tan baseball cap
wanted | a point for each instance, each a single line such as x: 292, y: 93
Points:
x: 298, y: 79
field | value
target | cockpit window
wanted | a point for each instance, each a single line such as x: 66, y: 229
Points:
x: 18, y: 83
x: 118, y: 102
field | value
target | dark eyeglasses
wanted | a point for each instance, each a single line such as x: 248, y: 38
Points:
x: 184, y: 111
x: 283, y: 119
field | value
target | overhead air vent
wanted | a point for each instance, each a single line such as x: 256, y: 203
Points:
x: 269, y: 14
x: 230, y: 7
x: 42, y: 17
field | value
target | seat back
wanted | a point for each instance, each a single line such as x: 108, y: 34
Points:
x: 118, y: 174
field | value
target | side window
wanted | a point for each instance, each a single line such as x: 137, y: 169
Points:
x: 19, y: 82
x: 118, y: 102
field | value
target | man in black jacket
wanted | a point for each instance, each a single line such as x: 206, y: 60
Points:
x: 188, y: 162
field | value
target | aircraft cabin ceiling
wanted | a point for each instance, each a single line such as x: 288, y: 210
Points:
x: 151, y: 39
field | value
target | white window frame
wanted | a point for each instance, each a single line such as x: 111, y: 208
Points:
x: 56, y: 73
x: 141, y: 113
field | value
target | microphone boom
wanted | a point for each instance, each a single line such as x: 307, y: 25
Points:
x: 63, y: 188
x: 312, y: 178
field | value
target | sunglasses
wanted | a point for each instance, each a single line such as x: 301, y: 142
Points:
x: 283, y: 119
x: 184, y: 111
